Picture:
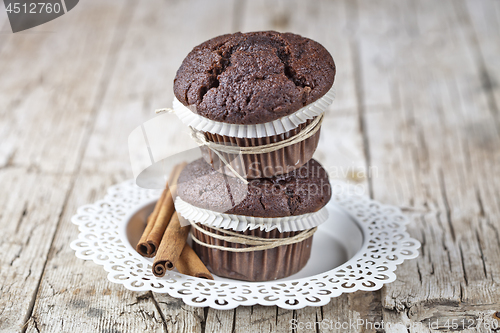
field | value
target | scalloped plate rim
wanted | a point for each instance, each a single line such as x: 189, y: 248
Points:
x: 121, y: 225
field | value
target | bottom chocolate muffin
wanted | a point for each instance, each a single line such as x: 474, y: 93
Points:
x: 288, y: 206
x: 264, y: 265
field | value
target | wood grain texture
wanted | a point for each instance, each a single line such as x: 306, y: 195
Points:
x: 417, y: 104
x: 134, y: 88
x: 434, y: 137
x: 47, y: 100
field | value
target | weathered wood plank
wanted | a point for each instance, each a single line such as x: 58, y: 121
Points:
x: 50, y: 81
x: 30, y: 211
x: 41, y: 130
x: 219, y: 321
x: 419, y: 78
x: 5, y: 30
x: 483, y: 18
x: 141, y: 82
x: 178, y: 316
x: 433, y: 141
x: 260, y: 318
x: 75, y: 295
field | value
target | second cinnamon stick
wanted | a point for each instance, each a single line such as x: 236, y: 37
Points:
x: 171, y: 246
x: 190, y: 264
x: 160, y: 218
x: 146, y: 247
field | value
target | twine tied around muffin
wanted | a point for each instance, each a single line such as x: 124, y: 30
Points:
x: 255, y: 243
x: 218, y: 149
x: 200, y: 143
x: 304, y: 134
x: 164, y: 110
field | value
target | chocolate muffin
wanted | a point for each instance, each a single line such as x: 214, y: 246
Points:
x: 254, y: 78
x: 301, y: 193
x: 304, y: 190
x: 256, y: 89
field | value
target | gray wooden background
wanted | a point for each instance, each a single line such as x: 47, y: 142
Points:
x: 418, y: 102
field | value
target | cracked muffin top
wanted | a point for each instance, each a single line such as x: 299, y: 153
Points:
x: 304, y: 190
x: 253, y: 78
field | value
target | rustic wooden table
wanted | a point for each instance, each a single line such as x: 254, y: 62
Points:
x: 418, y: 103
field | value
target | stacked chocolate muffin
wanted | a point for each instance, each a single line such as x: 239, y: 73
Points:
x: 255, y: 101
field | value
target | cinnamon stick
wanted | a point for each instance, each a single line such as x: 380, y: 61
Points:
x: 190, y: 264
x: 145, y: 247
x: 171, y: 246
x: 160, y: 217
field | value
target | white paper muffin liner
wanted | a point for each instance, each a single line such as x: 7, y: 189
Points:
x: 242, y: 223
x: 276, y: 127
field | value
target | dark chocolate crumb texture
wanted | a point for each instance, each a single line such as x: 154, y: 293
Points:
x: 253, y: 78
x: 304, y: 190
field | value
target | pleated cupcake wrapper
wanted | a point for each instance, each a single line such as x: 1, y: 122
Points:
x: 243, y: 223
x: 264, y: 165
x: 263, y: 265
x: 276, y: 127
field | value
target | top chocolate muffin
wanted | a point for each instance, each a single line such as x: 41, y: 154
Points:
x: 253, y: 78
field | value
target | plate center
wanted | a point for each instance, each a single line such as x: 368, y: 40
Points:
x: 337, y: 240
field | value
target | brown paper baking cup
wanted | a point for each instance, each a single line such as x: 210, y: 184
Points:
x: 264, y: 165
x: 266, y: 265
